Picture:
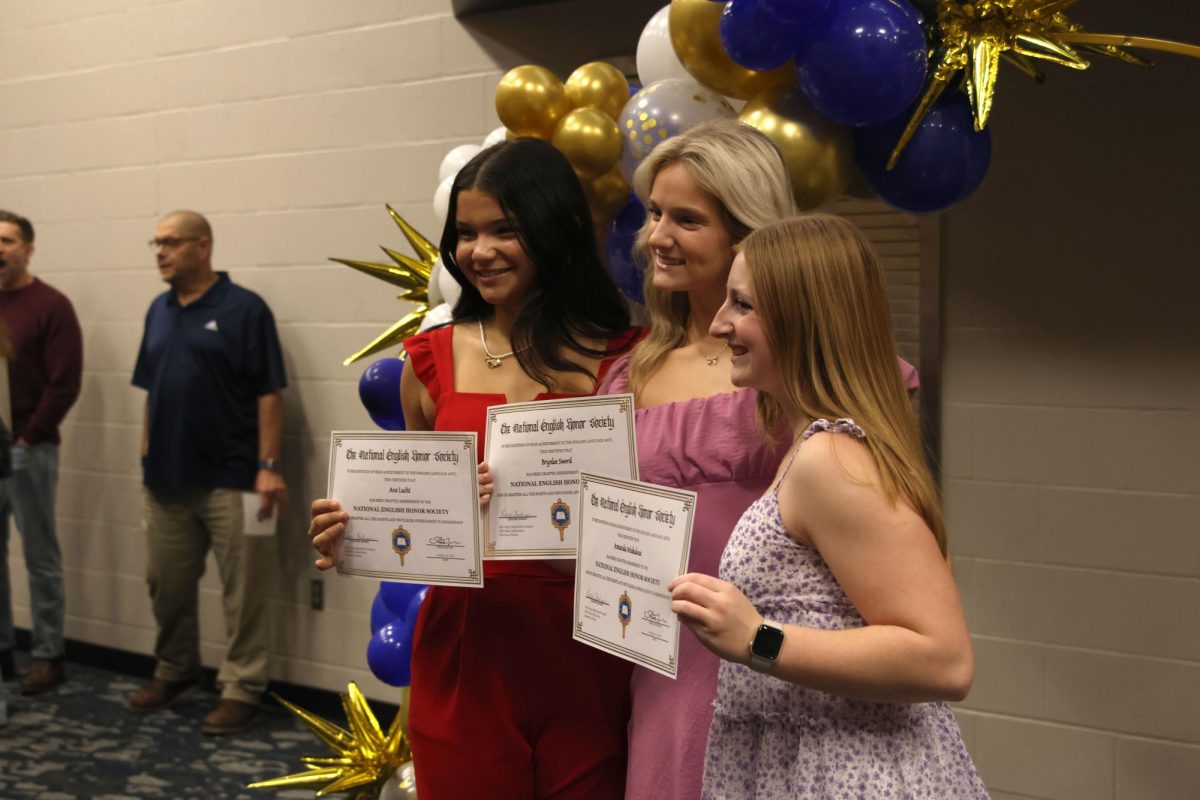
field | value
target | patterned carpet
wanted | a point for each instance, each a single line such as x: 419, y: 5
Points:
x: 80, y: 743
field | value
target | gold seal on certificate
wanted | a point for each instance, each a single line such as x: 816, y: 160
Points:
x: 634, y: 538
x: 413, y: 500
x: 560, y: 517
x: 535, y: 451
x: 401, y: 543
x: 624, y: 611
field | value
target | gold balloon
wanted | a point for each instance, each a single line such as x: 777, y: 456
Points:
x: 590, y: 140
x: 410, y: 274
x: 363, y: 759
x: 598, y: 85
x: 696, y: 36
x: 607, y: 195
x: 975, y: 36
x: 819, y: 153
x: 530, y: 101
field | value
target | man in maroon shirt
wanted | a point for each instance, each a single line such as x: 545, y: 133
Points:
x: 43, y: 377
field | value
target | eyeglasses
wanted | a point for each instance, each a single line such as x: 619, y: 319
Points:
x: 171, y: 242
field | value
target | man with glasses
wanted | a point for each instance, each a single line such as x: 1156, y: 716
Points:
x: 211, y: 363
x: 44, y: 348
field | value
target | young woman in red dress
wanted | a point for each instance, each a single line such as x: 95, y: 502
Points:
x: 504, y: 703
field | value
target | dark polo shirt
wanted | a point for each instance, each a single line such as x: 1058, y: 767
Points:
x: 205, y: 365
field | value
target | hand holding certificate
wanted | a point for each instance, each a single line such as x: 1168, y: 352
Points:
x: 413, y: 500
x: 634, y: 539
x: 536, y: 450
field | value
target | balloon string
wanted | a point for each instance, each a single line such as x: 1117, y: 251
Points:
x: 1119, y: 40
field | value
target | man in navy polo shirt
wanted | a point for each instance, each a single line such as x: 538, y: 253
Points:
x: 211, y: 364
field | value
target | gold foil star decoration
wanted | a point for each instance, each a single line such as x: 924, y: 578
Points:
x: 364, y: 756
x: 410, y: 274
x: 976, y: 35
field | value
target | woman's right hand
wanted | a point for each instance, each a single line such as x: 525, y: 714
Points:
x: 326, y: 529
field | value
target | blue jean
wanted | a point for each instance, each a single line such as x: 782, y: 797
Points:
x: 29, y: 497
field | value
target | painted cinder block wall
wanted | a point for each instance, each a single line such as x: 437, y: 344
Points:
x: 1071, y: 429
x: 1071, y: 346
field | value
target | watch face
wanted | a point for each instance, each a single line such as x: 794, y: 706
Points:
x: 768, y: 641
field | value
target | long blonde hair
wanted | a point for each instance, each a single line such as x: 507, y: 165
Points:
x: 744, y: 172
x: 821, y: 298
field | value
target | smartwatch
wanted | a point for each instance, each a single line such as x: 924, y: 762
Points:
x: 765, y: 646
x: 271, y: 464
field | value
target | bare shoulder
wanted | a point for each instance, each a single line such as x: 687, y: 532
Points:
x: 831, y: 485
x: 833, y: 462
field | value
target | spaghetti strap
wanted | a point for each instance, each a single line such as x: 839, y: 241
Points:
x: 840, y: 425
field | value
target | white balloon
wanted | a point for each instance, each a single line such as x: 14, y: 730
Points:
x: 448, y: 288
x: 656, y: 59
x: 441, y: 200
x: 662, y: 110
x: 456, y: 159
x: 495, y: 137
x: 435, y: 291
x: 439, y: 315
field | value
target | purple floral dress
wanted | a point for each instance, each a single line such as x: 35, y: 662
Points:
x: 774, y: 739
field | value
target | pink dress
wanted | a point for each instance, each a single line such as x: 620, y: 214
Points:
x: 712, y: 446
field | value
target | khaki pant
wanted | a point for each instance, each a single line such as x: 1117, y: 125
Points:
x: 180, y: 526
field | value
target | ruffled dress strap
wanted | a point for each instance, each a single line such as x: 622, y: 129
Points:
x: 431, y: 357
x: 842, y: 425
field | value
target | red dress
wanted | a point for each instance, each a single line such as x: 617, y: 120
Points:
x: 504, y: 703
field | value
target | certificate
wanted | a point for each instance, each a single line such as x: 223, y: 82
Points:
x: 413, y: 500
x: 634, y: 539
x: 535, y: 451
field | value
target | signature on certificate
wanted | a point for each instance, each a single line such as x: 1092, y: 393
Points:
x: 595, y: 598
x: 443, y: 541
x: 653, y: 617
x: 517, y: 515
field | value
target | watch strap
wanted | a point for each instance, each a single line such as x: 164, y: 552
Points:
x: 271, y: 464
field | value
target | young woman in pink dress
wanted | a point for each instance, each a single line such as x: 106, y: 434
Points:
x: 704, y: 190
x: 835, y: 614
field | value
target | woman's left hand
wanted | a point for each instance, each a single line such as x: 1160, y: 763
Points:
x: 717, y: 613
x: 486, y: 483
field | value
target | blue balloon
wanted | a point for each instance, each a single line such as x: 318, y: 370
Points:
x: 389, y: 654
x: 794, y: 11
x: 396, y: 596
x: 753, y: 39
x: 618, y: 250
x: 944, y: 161
x: 379, y: 390
x: 866, y: 61
x: 414, y: 608
x: 380, y: 614
x: 387, y: 423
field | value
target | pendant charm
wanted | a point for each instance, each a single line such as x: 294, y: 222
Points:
x: 712, y: 360
x: 492, y: 362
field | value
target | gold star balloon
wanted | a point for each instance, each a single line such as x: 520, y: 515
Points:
x: 976, y: 35
x: 410, y: 274
x: 365, y: 757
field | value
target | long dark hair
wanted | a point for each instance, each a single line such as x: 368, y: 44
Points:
x: 572, y: 298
